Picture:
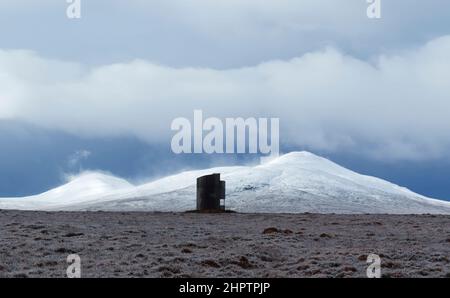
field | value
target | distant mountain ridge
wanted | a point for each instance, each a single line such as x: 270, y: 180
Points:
x: 292, y: 183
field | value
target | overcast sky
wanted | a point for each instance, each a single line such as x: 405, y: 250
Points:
x: 216, y: 34
x: 340, y: 83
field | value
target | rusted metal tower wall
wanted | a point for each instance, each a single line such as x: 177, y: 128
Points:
x: 210, y: 190
x: 222, y: 195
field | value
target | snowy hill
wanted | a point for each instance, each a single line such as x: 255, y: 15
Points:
x: 295, y: 182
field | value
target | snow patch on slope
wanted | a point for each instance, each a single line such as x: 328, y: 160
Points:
x: 295, y: 182
x: 84, y: 187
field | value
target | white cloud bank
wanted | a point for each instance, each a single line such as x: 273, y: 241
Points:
x: 394, y: 107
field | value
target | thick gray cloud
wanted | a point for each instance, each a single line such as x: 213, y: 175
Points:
x: 217, y: 34
x: 394, y: 106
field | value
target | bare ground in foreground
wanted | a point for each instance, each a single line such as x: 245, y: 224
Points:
x: 36, y: 244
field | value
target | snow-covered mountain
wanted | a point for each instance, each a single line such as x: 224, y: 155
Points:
x: 295, y: 182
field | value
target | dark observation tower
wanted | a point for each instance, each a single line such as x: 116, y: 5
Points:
x: 210, y: 193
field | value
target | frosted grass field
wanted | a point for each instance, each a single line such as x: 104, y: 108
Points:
x: 139, y: 244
